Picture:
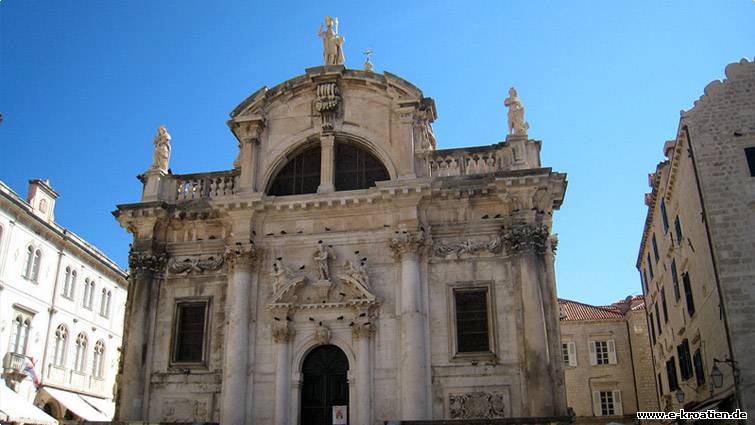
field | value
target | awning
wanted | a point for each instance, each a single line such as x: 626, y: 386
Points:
x: 14, y: 408
x: 79, y: 404
x: 710, y: 404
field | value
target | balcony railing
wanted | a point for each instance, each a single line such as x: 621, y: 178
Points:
x: 205, y: 185
x: 14, y: 362
x: 461, y: 162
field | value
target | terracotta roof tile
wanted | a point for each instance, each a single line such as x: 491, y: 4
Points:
x: 572, y: 310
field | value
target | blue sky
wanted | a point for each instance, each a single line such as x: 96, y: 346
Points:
x: 85, y: 84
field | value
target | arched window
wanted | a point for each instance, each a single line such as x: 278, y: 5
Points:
x: 356, y: 168
x: 300, y: 175
x: 59, y: 348
x: 36, y: 265
x: 67, y: 282
x: 107, y: 307
x: 98, y: 358
x: 88, y: 299
x: 20, y: 337
x: 79, y: 362
x: 72, y: 288
x: 28, y: 262
x: 105, y: 302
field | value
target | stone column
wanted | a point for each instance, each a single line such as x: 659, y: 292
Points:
x: 415, y: 383
x: 528, y: 243
x: 362, y: 333
x: 234, y: 392
x: 327, y: 158
x: 248, y: 131
x: 143, y: 267
x: 283, y: 334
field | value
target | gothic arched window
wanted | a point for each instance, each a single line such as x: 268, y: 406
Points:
x: 356, y: 168
x: 59, y: 349
x: 97, y: 358
x: 300, y: 175
x: 81, y: 353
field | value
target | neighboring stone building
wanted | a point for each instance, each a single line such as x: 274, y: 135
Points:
x: 607, y: 361
x: 697, y: 257
x: 345, y: 265
x: 61, y: 313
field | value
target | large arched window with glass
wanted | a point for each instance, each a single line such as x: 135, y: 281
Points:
x: 300, y: 175
x: 356, y: 168
x: 59, y: 348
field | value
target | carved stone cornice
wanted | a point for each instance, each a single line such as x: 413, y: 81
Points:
x: 522, y: 238
x: 146, y: 261
x: 404, y: 242
x: 240, y: 255
x: 195, y: 265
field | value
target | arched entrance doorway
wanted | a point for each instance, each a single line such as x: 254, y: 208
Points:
x: 324, y: 385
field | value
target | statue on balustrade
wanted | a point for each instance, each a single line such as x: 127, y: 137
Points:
x: 517, y: 124
x: 161, y: 155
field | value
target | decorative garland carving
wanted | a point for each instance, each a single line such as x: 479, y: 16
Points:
x: 146, y: 260
x: 515, y: 239
x: 477, y: 405
x: 190, y: 265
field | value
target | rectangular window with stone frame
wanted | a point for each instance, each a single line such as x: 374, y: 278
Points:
x: 472, y: 321
x: 190, y: 332
x: 602, y: 352
x: 607, y: 403
x: 569, y: 353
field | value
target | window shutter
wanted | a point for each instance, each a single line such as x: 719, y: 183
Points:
x: 593, y: 356
x: 572, y: 346
x: 611, y: 352
x: 617, y: 408
x: 596, y: 403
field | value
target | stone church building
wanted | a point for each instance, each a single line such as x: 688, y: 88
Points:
x: 345, y: 270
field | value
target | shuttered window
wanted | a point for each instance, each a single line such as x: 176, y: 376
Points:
x: 688, y: 294
x: 569, y: 353
x: 190, y: 330
x: 602, y: 352
x: 673, y: 380
x: 697, y: 359
x: 685, y: 360
x: 472, y: 321
x: 607, y: 403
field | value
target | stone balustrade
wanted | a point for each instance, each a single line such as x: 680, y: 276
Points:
x: 461, y: 162
x: 190, y: 187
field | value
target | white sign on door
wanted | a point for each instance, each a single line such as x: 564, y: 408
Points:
x: 340, y: 416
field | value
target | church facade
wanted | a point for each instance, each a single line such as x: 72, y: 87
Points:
x: 345, y: 270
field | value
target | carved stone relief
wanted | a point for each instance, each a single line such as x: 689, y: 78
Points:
x: 185, y: 410
x: 195, y: 265
x: 477, y: 405
x: 146, y: 260
x: 409, y: 241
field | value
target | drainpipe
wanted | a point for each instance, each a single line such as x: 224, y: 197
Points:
x: 52, y: 310
x: 714, y: 260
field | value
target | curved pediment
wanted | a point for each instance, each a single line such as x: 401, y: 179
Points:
x: 381, y: 113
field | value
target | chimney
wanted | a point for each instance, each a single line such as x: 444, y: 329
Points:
x: 42, y: 198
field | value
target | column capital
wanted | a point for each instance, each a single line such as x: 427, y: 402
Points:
x: 140, y: 261
x: 240, y: 255
x: 248, y: 129
x: 362, y: 330
x: 406, y: 242
x: 526, y: 237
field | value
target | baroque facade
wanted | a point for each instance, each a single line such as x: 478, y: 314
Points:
x: 345, y: 266
x: 61, y: 315
x: 697, y: 257
x: 608, y: 366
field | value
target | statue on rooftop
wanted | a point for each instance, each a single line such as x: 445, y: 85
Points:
x: 161, y: 155
x: 517, y: 124
x: 332, y: 42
